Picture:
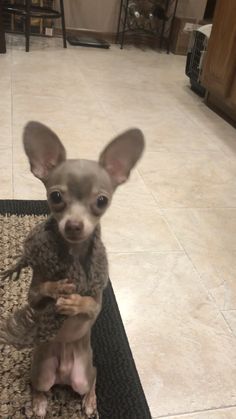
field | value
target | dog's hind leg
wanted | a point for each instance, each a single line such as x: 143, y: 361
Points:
x: 43, y: 376
x: 83, y: 375
x: 90, y: 399
x: 39, y: 404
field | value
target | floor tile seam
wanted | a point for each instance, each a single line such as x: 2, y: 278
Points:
x: 158, y: 252
x: 97, y: 96
x: 190, y: 151
x: 190, y: 208
x: 212, y: 409
x: 209, y: 294
x: 207, y: 291
x: 162, y: 215
x: 227, y: 322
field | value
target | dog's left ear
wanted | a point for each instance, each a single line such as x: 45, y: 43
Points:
x: 43, y: 149
x: 121, y: 155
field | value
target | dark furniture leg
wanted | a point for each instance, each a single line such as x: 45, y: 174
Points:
x: 171, y: 27
x: 63, y: 23
x: 164, y: 25
x: 27, y: 25
x: 119, y: 22
x: 124, y: 25
x: 2, y: 32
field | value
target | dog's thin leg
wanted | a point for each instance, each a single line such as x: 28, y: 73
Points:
x: 90, y: 400
x: 39, y: 404
x: 83, y: 375
x: 43, y: 376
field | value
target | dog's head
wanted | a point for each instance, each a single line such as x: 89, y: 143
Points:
x: 79, y: 191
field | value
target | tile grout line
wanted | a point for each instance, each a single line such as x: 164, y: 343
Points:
x: 162, y: 215
x: 208, y: 293
x: 226, y: 321
x: 230, y: 309
x: 195, y: 208
x: 158, y: 252
x: 100, y: 102
x: 187, y: 151
x: 172, y: 415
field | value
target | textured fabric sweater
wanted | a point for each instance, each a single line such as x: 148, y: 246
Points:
x: 48, y: 254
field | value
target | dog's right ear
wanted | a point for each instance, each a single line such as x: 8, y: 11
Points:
x: 43, y: 149
x: 120, y: 155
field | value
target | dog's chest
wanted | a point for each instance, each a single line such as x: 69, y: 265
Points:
x: 78, y: 271
x: 58, y: 265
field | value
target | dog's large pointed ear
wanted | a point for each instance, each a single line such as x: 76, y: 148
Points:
x: 121, y: 155
x: 43, y: 149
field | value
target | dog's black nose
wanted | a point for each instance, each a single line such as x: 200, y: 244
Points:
x: 74, y: 226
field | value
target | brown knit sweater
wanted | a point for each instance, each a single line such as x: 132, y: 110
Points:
x: 46, y: 252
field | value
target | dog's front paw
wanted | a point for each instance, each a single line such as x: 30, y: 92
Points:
x: 69, y: 305
x: 61, y: 287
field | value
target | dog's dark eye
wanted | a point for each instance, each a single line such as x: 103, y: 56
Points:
x: 102, y: 201
x: 56, y: 197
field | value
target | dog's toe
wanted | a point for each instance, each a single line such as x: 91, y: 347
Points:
x: 90, y: 406
x: 40, y: 405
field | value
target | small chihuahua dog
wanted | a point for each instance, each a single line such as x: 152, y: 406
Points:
x: 68, y: 260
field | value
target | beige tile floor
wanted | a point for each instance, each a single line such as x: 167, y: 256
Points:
x: 171, y: 230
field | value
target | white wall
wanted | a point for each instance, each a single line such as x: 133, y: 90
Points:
x: 102, y: 15
x: 191, y: 8
x: 98, y: 15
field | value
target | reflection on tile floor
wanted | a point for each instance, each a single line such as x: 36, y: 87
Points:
x: 170, y: 233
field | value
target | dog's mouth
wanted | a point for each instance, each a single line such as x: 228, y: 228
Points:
x: 74, y: 238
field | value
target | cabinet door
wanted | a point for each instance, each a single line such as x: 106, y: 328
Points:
x: 220, y: 66
x: 232, y: 95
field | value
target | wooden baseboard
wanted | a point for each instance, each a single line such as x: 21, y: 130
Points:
x: 217, y: 105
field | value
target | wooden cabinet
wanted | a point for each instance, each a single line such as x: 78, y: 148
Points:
x: 232, y: 97
x: 219, y: 75
x: 2, y: 32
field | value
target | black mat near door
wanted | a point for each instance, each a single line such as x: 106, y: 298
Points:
x: 120, y: 394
